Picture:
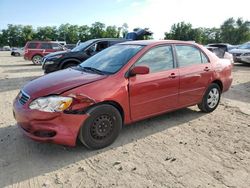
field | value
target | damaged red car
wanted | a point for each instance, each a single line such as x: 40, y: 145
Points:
x: 122, y: 84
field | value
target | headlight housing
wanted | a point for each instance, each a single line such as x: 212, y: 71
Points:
x: 57, y: 56
x: 51, y: 103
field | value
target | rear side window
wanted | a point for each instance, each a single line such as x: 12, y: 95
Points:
x: 32, y: 45
x: 189, y: 55
x: 157, y: 59
x: 56, y: 46
x: 45, y: 46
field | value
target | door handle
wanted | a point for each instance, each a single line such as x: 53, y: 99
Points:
x: 172, y: 75
x: 206, y: 69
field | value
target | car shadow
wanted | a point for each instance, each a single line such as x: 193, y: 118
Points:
x: 9, y: 84
x: 38, y: 69
x: 236, y: 64
x: 20, y: 152
x: 19, y: 65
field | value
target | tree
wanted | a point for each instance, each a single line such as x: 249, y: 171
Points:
x: 27, y: 34
x: 180, y: 31
x: 12, y: 35
x: 124, y: 30
x: 84, y: 33
x: 46, y: 33
x: 235, y: 32
x: 72, y: 35
x: 97, y: 30
x: 111, y: 32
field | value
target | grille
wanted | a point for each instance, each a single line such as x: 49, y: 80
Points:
x: 23, y: 97
x: 237, y: 54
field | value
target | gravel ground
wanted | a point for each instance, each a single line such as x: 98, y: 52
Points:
x: 185, y: 148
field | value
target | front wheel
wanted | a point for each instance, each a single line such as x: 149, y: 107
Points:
x: 102, y: 127
x: 211, y: 98
x: 17, y: 54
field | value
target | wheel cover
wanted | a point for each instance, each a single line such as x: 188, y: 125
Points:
x: 102, y: 127
x: 213, y: 98
x: 37, y: 59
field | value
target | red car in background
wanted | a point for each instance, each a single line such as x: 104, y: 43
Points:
x: 35, y: 50
x: 122, y: 84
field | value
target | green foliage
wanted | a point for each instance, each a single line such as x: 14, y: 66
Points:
x: 18, y: 35
x: 235, y: 31
x: 231, y: 31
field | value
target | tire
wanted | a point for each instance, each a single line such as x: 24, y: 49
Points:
x: 37, y: 59
x: 210, y: 99
x: 67, y: 65
x: 101, y: 128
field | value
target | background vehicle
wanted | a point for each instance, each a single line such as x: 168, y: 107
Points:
x: 6, y: 48
x: 122, y: 84
x: 35, y: 50
x: 221, y: 50
x: 241, y: 53
x: 139, y: 34
x: 61, y: 60
x: 17, y: 51
x: 70, y: 46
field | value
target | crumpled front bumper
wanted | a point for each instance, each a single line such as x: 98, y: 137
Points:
x: 56, y: 127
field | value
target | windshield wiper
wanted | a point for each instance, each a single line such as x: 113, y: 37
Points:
x: 91, y: 69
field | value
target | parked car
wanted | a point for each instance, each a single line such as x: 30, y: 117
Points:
x: 139, y: 34
x: 62, y: 60
x: 35, y: 50
x: 6, y: 48
x: 120, y: 85
x: 221, y: 50
x: 70, y: 46
x: 242, y: 53
x: 17, y: 51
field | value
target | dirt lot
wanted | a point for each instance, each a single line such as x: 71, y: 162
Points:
x: 185, y: 148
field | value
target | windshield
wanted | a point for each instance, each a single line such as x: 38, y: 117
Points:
x: 112, y: 59
x: 82, y: 45
x: 245, y: 46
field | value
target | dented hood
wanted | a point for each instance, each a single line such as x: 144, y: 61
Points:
x: 58, y: 82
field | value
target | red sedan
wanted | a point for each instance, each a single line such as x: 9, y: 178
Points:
x: 120, y: 85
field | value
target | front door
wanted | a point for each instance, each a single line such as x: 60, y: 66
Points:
x: 156, y: 92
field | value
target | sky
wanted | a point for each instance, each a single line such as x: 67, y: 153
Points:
x: 158, y: 15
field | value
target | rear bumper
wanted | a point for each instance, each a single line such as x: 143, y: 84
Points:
x: 58, y: 127
x: 227, y: 84
x: 26, y: 58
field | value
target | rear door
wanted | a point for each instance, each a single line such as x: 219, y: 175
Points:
x: 46, y: 48
x: 157, y: 91
x: 195, y: 74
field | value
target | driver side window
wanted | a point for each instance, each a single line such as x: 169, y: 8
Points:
x: 157, y: 59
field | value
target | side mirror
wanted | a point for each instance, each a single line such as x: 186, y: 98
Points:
x: 139, y: 70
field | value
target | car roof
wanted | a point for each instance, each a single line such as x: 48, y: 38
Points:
x: 39, y: 41
x: 107, y: 39
x: 157, y: 42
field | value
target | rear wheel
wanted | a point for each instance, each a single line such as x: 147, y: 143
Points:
x: 211, y: 98
x: 37, y: 59
x: 102, y: 127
